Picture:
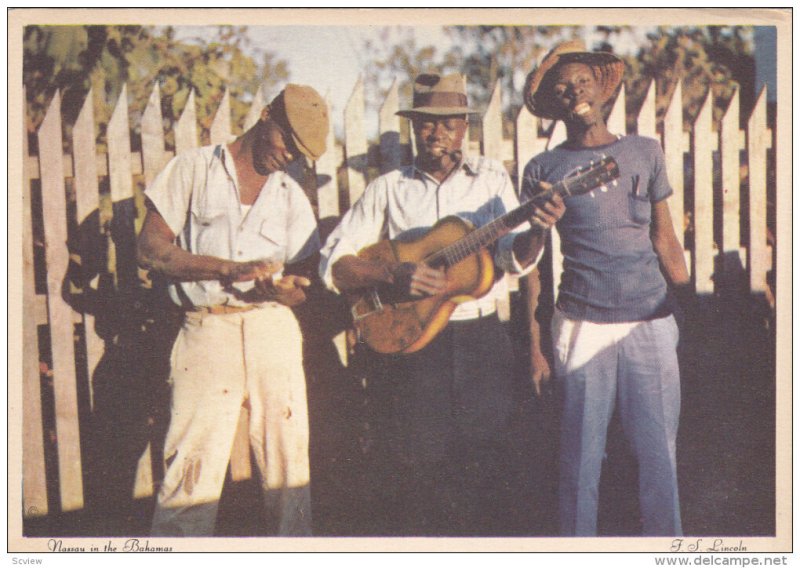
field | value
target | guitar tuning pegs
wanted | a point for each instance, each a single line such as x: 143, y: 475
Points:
x: 614, y: 183
x: 591, y: 194
x: 604, y: 188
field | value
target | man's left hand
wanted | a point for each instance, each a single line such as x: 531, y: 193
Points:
x: 289, y: 290
x: 548, y: 212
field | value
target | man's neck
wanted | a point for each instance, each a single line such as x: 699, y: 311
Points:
x: 250, y: 181
x: 441, y: 168
x: 581, y: 136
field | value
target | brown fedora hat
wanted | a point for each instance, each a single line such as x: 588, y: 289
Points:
x: 439, y: 95
x: 608, y: 68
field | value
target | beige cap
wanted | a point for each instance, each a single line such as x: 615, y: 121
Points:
x: 307, y: 114
x: 607, y: 66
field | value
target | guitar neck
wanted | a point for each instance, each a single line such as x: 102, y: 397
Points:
x: 489, y: 233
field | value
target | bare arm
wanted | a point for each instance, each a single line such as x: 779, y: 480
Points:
x: 529, y: 244
x: 667, y: 247
x: 351, y: 272
x: 540, y: 367
x: 156, y: 250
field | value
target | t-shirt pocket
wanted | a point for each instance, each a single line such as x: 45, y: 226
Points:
x: 639, y: 202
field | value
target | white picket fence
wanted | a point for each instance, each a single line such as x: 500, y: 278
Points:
x: 85, y: 167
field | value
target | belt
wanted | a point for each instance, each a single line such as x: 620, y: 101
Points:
x: 223, y: 309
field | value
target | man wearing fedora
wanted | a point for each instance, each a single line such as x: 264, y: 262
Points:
x: 234, y: 234
x: 613, y: 332
x: 451, y: 402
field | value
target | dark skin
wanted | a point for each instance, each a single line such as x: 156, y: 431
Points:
x: 578, y: 94
x: 438, y: 140
x: 264, y: 149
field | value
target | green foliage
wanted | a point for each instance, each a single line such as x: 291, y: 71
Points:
x: 705, y: 58
x: 708, y: 59
x: 73, y: 59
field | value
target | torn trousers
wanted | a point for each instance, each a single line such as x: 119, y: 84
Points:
x: 219, y: 361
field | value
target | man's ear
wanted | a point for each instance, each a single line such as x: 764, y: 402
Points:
x: 265, y: 113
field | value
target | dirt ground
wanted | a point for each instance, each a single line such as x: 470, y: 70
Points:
x: 726, y: 450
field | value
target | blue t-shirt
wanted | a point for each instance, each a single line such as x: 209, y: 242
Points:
x: 611, y: 271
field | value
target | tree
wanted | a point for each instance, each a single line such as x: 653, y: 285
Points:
x: 74, y: 59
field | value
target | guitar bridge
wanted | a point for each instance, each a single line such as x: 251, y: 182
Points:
x: 367, y: 305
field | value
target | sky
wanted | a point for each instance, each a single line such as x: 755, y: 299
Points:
x: 330, y: 58
x: 326, y: 57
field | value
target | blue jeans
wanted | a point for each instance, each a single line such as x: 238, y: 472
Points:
x: 635, y: 366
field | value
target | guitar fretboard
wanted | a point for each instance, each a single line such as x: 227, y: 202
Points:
x: 484, y: 236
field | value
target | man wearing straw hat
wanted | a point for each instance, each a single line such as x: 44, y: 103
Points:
x: 451, y: 401
x: 223, y: 223
x: 614, y: 335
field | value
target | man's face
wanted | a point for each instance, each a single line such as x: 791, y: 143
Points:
x: 273, y: 148
x: 439, y: 136
x: 577, y: 93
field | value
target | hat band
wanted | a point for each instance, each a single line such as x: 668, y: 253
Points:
x: 440, y: 99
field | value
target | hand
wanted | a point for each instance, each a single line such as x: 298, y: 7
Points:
x: 548, y: 212
x: 232, y: 271
x: 419, y: 279
x: 540, y: 372
x: 287, y: 291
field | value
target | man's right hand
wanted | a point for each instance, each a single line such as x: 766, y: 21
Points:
x: 540, y: 371
x: 231, y: 271
x: 418, y: 279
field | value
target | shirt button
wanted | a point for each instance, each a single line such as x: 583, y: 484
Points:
x: 239, y: 253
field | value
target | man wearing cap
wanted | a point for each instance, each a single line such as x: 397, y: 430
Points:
x: 452, y: 400
x: 614, y: 335
x: 235, y: 235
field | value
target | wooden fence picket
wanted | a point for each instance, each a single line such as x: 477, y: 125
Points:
x: 220, y: 131
x: 616, y: 119
x: 646, y: 120
x: 87, y: 196
x: 34, y: 480
x: 355, y: 143
x: 327, y: 180
x: 731, y: 143
x: 557, y: 136
x: 186, y: 129
x: 62, y: 329
x: 675, y: 145
x: 759, y: 140
x: 153, y: 148
x: 703, y: 146
x: 391, y: 149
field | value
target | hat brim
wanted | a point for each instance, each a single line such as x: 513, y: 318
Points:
x: 611, y: 67
x: 436, y: 111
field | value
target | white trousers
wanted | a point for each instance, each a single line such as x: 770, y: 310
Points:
x: 218, y: 363
x: 635, y: 367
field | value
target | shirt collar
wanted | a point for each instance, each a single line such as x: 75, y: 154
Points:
x: 466, y: 164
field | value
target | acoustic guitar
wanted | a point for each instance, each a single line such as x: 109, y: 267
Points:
x: 389, y: 320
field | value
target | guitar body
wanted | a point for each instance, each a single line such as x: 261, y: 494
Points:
x: 408, y: 326
x: 391, y: 323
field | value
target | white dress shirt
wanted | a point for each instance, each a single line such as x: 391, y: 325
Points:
x: 407, y: 202
x: 197, y: 194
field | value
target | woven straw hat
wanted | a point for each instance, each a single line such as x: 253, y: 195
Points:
x: 439, y: 95
x: 608, y: 68
x: 307, y: 115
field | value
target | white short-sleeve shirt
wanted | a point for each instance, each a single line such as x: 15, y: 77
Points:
x: 197, y: 194
x: 407, y: 201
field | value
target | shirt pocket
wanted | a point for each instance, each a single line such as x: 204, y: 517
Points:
x: 273, y: 240
x: 639, y: 202
x: 211, y: 232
